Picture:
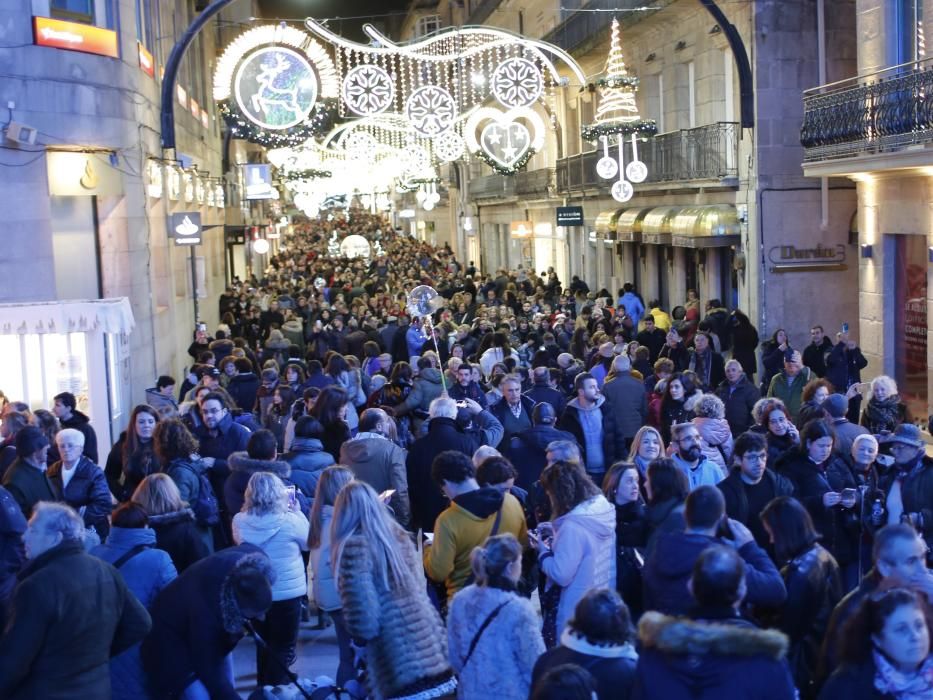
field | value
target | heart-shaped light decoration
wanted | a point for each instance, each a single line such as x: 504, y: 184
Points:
x: 503, y: 138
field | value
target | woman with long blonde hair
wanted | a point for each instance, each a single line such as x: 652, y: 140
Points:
x: 384, y: 599
x: 173, y: 521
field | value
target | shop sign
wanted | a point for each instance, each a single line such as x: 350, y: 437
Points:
x: 185, y: 228
x: 195, y: 109
x: 521, y: 229
x: 570, y: 216
x: 806, y: 257
x: 75, y: 37
x: 75, y: 174
x: 258, y: 179
x: 146, y: 61
x: 182, y: 96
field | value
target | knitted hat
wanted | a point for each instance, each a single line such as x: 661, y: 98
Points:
x: 836, y: 405
x: 906, y: 434
x: 30, y: 440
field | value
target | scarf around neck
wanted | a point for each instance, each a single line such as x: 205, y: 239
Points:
x: 903, y: 686
x: 883, y: 414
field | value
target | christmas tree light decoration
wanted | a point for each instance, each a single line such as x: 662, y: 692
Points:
x: 617, y: 113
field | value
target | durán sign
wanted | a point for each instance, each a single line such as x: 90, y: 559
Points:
x: 804, y: 257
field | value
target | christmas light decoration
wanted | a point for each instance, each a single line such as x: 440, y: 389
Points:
x: 505, y: 143
x: 517, y: 82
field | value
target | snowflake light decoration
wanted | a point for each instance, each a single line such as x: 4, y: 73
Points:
x: 448, y: 146
x: 368, y: 89
x: 431, y: 110
x: 517, y: 82
x: 359, y: 145
x: 415, y: 159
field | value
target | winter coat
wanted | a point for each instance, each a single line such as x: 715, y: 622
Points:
x: 70, y: 613
x: 221, y: 348
x: 427, y: 501
x: 503, y: 414
x: 528, y: 449
x: 124, y: 478
x: 542, y: 393
x: 791, y: 394
x: 12, y: 551
x: 845, y: 432
x: 87, y: 493
x: 82, y: 423
x: 813, y: 591
x: 146, y: 573
x: 772, y: 359
x: 716, y: 441
x: 164, y: 405
x: 854, y: 682
x: 337, y: 433
x: 662, y: 518
x: 628, y: 408
x: 242, y: 467
x: 683, y: 659
x: 511, y: 641
x: 427, y: 387
x: 705, y: 473
x: 466, y: 524
x: 185, y: 473
x: 307, y: 460
x: 814, y: 357
x: 844, y: 367
x: 571, y: 422
x: 405, y: 641
x: 733, y: 491
x: 178, y: 534
x: 243, y: 388
x: 611, y: 665
x: 231, y: 437
x: 283, y: 537
x: 320, y: 572
x: 744, y: 345
x: 839, y: 526
x: 739, y: 401
x: 27, y: 485
x: 491, y: 357
x: 196, y: 624
x: 670, y: 565
x: 379, y: 462
x: 582, y: 556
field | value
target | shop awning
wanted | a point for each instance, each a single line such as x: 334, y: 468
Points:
x: 629, y: 224
x: 711, y: 226
x: 606, y: 223
x: 80, y: 316
x: 657, y: 226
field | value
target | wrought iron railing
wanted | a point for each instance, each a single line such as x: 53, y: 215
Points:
x: 579, y: 27
x: 704, y: 153
x: 492, y: 187
x: 534, y: 182
x: 882, y: 111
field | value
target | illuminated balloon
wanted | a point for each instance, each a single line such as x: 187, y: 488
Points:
x: 424, y: 301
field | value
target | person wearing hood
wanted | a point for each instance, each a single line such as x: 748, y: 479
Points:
x: 374, y: 458
x: 69, y: 416
x: 130, y: 548
x: 712, y: 653
x: 688, y: 455
x: 200, y: 617
x: 274, y: 522
x: 475, y: 514
x: 259, y: 456
x: 576, y: 551
x: 244, y: 385
x: 738, y: 395
x: 668, y: 565
x: 221, y: 346
x: 591, y: 428
x: 528, y: 449
x: 307, y: 457
x: 599, y: 638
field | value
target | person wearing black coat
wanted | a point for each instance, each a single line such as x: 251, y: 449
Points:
x: 200, y: 617
x: 12, y: 552
x: 543, y: 392
x: 444, y: 433
x: 178, y: 535
x: 244, y: 385
x: 772, y: 357
x: 86, y: 490
x: 844, y: 366
x: 528, y: 449
x: 744, y: 344
x: 621, y: 488
x: 739, y: 395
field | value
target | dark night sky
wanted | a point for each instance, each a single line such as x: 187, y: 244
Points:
x: 362, y: 10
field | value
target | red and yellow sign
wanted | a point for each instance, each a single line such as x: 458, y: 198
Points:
x: 75, y: 37
x: 195, y: 108
x: 146, y: 61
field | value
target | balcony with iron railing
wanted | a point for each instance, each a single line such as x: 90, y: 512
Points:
x: 880, y: 113
x: 492, y: 187
x: 703, y: 154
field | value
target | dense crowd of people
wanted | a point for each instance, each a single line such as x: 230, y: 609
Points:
x: 537, y: 491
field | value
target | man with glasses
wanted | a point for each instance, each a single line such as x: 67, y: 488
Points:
x: 689, y: 457
x: 909, y: 484
x: 751, y: 485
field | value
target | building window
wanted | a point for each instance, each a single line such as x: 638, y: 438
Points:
x: 427, y: 25
x: 73, y: 10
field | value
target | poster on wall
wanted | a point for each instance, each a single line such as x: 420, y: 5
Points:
x: 910, y: 334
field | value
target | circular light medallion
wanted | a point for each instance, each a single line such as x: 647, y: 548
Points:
x: 261, y: 246
x: 275, y: 87
x: 517, y: 82
x: 448, y: 146
x: 607, y: 167
x: 622, y: 190
x: 636, y: 171
x: 431, y: 110
x: 368, y: 89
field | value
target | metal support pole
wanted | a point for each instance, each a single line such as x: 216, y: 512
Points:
x: 194, y: 284
x: 167, y: 117
x: 746, y: 82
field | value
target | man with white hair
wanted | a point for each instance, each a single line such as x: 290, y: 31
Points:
x: 70, y: 613
x: 445, y: 432
x: 628, y: 405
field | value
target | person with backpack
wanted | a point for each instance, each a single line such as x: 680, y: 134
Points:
x: 131, y: 548
x: 492, y: 626
x: 177, y: 451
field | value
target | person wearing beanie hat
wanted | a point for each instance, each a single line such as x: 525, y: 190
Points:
x: 200, y: 617
x: 836, y: 407
x: 26, y: 479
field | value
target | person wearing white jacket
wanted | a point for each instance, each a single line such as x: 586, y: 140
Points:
x: 324, y: 591
x: 577, y: 550
x: 272, y: 521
